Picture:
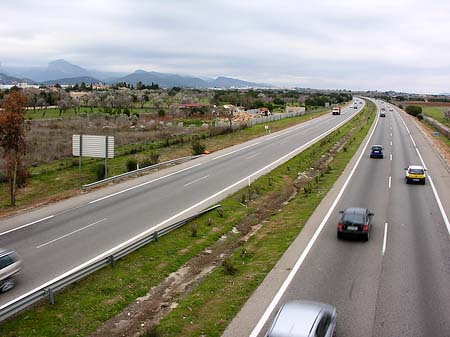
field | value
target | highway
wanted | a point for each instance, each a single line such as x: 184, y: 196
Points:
x: 398, y: 283
x: 55, y: 239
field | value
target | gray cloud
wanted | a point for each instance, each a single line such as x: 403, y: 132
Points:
x: 351, y: 44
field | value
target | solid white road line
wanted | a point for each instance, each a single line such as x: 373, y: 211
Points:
x: 197, y: 180
x: 253, y: 156
x: 383, y: 250
x: 302, y: 257
x: 143, y: 184
x: 66, y: 235
x: 26, y: 225
x: 436, y: 195
x: 389, y: 183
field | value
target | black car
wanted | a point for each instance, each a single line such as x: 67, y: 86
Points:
x: 376, y: 151
x: 382, y: 114
x: 355, y: 221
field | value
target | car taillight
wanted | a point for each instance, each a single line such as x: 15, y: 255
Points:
x: 339, y: 226
x: 365, y: 228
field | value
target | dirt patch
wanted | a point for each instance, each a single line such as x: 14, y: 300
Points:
x: 147, y: 311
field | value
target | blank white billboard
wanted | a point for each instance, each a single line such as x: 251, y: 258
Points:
x: 93, y: 146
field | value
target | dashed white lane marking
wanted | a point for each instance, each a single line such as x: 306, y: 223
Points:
x: 197, y: 180
x: 391, y: 142
x: 68, y: 234
x: 143, y: 184
x: 26, y: 225
x: 253, y: 156
x: 390, y: 179
x: 383, y: 250
x: 390, y: 156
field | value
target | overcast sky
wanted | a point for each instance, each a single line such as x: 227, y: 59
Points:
x: 400, y: 45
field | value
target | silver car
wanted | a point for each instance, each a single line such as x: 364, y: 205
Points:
x: 304, y: 319
x: 10, y: 266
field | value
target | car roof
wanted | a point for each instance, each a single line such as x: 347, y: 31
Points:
x: 418, y: 167
x: 355, y: 210
x: 376, y: 145
x: 296, y: 318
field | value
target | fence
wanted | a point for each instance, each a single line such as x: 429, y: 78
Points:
x: 48, y: 290
x: 266, y: 119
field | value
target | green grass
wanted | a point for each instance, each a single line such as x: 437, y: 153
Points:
x: 437, y: 113
x: 52, y: 179
x: 84, y: 306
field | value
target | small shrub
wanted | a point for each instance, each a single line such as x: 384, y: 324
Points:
x: 131, y: 164
x: 413, y: 110
x: 100, y: 171
x: 419, y: 117
x: 151, y: 332
x: 161, y: 113
x: 194, y: 230
x: 220, y: 211
x: 229, y: 267
x: 154, y: 158
x: 197, y: 147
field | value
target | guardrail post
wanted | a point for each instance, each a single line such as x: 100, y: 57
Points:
x: 51, y: 295
x: 155, y: 235
x: 112, y: 260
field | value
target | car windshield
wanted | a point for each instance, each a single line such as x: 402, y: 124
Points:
x: 376, y: 148
x: 6, y: 260
x: 416, y: 171
x: 355, y: 218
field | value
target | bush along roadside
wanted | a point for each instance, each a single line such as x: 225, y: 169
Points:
x: 189, y: 285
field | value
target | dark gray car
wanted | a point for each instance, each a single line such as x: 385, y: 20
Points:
x: 304, y: 319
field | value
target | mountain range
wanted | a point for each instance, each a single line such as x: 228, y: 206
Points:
x: 63, y: 72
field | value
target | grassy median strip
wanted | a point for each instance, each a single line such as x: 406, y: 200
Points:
x: 211, y: 306
x: 61, y: 178
x: 83, y: 307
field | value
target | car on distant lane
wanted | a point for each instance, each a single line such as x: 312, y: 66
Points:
x: 415, y: 173
x: 356, y: 222
x: 10, y: 266
x: 304, y: 319
x: 376, y: 151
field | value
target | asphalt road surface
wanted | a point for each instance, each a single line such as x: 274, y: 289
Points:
x: 55, y: 239
x: 398, y: 283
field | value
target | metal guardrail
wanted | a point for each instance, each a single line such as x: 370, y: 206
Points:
x: 143, y: 169
x: 49, y: 289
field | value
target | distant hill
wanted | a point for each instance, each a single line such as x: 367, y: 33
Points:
x: 6, y: 79
x: 60, y: 71
x: 172, y: 80
x: 73, y: 80
x: 55, y: 70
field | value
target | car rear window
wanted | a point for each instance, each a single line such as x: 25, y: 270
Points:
x: 356, y: 218
x: 416, y: 171
x: 5, y: 261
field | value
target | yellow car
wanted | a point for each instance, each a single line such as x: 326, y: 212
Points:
x: 415, y: 173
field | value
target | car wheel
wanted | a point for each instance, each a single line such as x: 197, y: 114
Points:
x: 423, y: 182
x: 407, y: 181
x: 366, y: 237
x: 7, y: 285
x: 339, y: 235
